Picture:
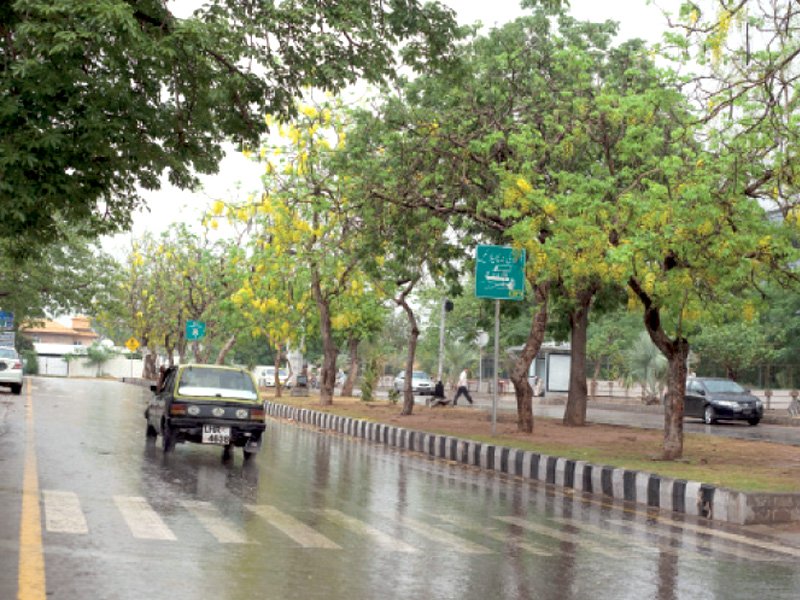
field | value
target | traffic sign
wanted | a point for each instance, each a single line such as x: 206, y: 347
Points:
x: 132, y: 344
x: 499, y: 273
x: 6, y: 320
x: 195, y: 330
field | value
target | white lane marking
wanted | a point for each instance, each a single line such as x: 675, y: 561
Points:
x: 733, y: 537
x: 560, y: 535
x: 298, y: 531
x: 699, y: 543
x: 209, y: 516
x: 142, y: 520
x: 63, y: 512
x: 363, y: 529
x: 493, y: 534
x: 661, y: 547
x: 458, y: 544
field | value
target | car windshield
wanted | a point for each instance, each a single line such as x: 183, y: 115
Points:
x: 217, y: 382
x: 723, y: 386
x: 8, y: 353
x: 420, y: 375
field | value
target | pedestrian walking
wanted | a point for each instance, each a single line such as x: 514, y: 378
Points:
x: 462, y: 387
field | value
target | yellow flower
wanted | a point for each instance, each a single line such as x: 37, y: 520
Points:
x: 309, y: 111
x: 523, y: 185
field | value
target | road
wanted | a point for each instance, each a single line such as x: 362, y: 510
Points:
x: 90, y: 510
x: 648, y: 418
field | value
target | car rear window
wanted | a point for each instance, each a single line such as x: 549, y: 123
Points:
x: 222, y: 383
x: 8, y: 353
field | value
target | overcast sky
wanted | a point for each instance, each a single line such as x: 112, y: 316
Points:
x: 237, y: 176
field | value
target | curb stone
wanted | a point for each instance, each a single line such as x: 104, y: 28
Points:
x: 649, y: 490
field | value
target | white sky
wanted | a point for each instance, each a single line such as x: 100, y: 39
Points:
x: 238, y: 176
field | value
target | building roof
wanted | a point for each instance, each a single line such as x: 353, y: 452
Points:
x: 80, y: 328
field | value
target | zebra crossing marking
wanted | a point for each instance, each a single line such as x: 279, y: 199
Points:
x: 142, y: 520
x: 458, y: 544
x: 218, y: 526
x: 494, y: 534
x: 562, y: 536
x: 359, y: 527
x: 734, y: 537
x: 63, y: 513
x: 297, y: 530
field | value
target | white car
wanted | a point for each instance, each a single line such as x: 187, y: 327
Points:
x: 421, y: 383
x: 10, y: 370
x: 265, y: 376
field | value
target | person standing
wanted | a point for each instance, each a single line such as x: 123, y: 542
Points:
x: 462, y: 387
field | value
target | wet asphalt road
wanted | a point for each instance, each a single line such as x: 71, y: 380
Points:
x: 323, y: 516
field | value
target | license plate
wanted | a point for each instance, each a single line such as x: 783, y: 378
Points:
x: 215, y: 434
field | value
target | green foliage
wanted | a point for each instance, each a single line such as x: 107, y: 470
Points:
x: 31, y: 361
x: 85, y: 128
x: 610, y: 336
x: 393, y: 395
x: 647, y: 366
x: 68, y: 277
x: 369, y: 379
x: 97, y: 355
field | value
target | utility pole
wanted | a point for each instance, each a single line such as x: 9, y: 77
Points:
x: 447, y: 306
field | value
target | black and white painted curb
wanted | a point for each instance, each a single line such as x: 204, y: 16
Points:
x: 654, y: 491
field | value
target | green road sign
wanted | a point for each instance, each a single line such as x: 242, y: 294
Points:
x: 499, y: 273
x: 195, y: 330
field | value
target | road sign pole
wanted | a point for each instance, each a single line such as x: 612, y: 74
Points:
x: 496, y: 361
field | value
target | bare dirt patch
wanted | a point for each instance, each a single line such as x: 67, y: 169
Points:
x: 736, y: 464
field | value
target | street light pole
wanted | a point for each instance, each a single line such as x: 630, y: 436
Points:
x: 441, y: 341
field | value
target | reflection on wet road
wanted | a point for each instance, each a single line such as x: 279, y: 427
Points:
x: 323, y: 516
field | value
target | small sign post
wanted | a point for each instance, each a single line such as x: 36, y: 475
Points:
x: 499, y: 275
x: 132, y: 344
x: 195, y: 330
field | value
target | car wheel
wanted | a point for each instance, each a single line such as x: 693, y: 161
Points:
x: 709, y: 415
x: 16, y: 388
x: 754, y: 421
x: 167, y: 438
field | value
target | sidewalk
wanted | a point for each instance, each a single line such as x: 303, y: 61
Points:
x: 508, y: 402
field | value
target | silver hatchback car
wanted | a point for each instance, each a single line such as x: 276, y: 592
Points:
x: 10, y: 369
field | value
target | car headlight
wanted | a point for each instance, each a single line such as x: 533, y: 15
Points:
x: 241, y: 413
x: 193, y: 410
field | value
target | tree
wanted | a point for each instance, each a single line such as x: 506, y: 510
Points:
x: 98, y: 355
x: 742, y: 73
x: 647, y: 366
x: 85, y: 127
x: 71, y: 276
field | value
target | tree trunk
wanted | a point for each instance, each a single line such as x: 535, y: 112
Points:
x: 278, y: 382
x: 408, y: 392
x: 575, y: 411
x: 673, y: 409
x: 677, y: 353
x: 329, y: 350
x: 223, y: 352
x: 352, y: 372
x: 521, y: 367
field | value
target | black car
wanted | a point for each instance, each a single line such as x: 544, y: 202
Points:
x: 714, y: 399
x: 206, y: 404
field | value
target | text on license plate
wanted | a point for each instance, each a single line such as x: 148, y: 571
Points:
x: 215, y: 434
